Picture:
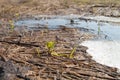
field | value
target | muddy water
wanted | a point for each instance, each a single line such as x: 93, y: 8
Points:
x: 52, y: 23
x: 105, y: 48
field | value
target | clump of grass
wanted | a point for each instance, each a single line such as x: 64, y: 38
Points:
x: 51, y: 51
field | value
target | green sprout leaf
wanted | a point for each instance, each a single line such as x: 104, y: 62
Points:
x: 10, y: 21
x: 50, y: 45
x: 17, y: 14
x: 53, y: 53
x: 72, y: 52
x: 99, y: 30
x: 11, y: 25
x: 38, y: 51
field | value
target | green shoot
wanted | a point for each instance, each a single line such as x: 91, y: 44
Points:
x: 53, y: 53
x: 63, y: 55
x: 38, y: 51
x: 50, y: 46
x: 11, y: 25
x: 99, y: 30
x: 17, y: 14
x: 72, y: 52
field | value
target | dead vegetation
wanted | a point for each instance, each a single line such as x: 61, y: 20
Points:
x: 19, y: 59
x: 58, y: 7
x: 24, y: 55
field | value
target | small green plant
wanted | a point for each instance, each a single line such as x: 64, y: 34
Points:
x: 99, y: 30
x: 50, y: 46
x: 11, y: 25
x: 51, y: 51
x: 72, y: 52
x: 17, y: 14
x: 38, y: 51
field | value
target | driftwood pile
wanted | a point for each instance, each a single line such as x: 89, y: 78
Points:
x: 19, y: 59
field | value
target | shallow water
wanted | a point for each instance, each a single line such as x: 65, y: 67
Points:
x: 105, y: 52
x: 105, y: 48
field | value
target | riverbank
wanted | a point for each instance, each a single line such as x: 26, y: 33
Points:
x: 28, y: 58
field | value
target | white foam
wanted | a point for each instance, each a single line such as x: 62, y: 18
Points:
x: 104, y: 52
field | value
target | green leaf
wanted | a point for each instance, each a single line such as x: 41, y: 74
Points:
x: 50, y: 45
x: 53, y: 53
x: 99, y: 29
x: 38, y: 51
x: 17, y: 14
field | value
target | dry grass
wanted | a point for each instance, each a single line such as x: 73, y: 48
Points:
x: 10, y: 7
x: 57, y: 2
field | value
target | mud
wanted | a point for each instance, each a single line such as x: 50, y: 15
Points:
x: 22, y: 62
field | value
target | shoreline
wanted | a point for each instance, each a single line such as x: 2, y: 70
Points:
x: 21, y: 56
x: 23, y: 53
